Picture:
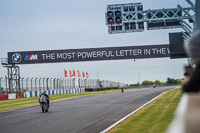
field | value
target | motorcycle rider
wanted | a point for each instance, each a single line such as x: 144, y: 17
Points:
x: 154, y: 86
x: 122, y: 87
x: 47, y: 97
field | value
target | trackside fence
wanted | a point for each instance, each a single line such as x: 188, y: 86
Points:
x: 38, y: 85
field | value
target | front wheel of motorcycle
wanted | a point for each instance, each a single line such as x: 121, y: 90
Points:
x: 42, y: 107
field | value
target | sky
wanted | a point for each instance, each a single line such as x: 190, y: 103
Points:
x: 32, y: 25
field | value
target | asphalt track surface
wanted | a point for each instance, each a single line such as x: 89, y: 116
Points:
x: 89, y: 114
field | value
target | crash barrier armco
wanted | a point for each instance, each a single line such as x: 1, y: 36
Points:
x: 8, y: 96
x: 53, y: 92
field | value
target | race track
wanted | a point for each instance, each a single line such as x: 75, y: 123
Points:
x: 90, y: 114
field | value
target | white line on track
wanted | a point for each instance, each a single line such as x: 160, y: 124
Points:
x: 116, y: 123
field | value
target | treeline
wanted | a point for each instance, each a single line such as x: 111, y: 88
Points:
x: 170, y: 81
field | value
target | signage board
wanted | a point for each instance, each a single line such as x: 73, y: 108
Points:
x: 176, y: 46
x: 89, y: 54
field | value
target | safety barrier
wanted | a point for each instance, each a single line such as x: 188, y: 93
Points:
x: 53, y: 92
x: 8, y: 96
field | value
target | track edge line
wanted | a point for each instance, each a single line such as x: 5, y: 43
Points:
x: 116, y: 123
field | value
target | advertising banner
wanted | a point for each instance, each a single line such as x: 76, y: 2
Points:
x: 89, y: 54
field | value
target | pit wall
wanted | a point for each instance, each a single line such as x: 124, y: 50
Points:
x: 53, y: 92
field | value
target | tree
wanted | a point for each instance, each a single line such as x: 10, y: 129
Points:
x: 162, y: 83
x: 171, y: 81
x: 151, y: 83
x: 157, y: 82
x: 146, y: 82
x: 179, y: 81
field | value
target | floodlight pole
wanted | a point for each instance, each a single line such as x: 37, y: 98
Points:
x: 36, y: 84
x: 22, y: 84
x: 27, y: 84
x: 0, y: 82
x: 31, y: 84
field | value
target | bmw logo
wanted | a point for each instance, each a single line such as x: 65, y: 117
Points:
x: 16, y: 57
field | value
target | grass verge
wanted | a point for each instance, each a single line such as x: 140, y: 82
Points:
x: 153, y: 118
x: 25, y: 102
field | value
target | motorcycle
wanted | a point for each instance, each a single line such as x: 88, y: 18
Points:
x: 122, y: 89
x: 43, y: 103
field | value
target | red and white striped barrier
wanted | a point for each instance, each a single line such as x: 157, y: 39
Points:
x: 8, y: 96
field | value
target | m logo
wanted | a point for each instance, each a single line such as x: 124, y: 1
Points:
x: 31, y: 57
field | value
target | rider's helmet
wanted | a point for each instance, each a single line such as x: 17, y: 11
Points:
x: 122, y: 86
x: 43, y: 92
